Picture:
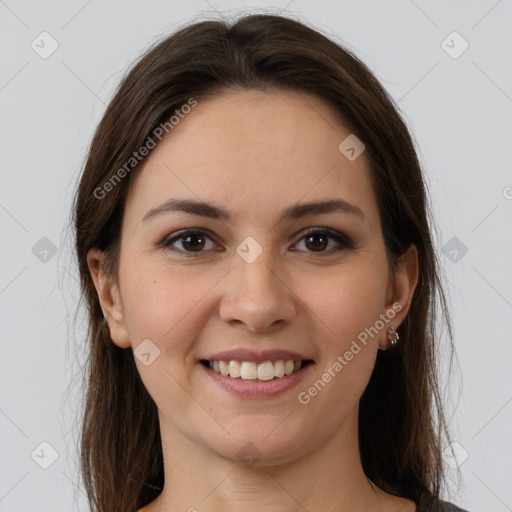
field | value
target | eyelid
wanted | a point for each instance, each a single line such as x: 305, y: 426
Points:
x: 332, y: 233
x: 340, y: 237
x: 177, y: 235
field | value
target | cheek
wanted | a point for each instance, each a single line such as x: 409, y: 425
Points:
x: 348, y: 349
x: 166, y: 307
x: 169, y: 306
x: 347, y: 303
x: 346, y: 306
x: 158, y: 302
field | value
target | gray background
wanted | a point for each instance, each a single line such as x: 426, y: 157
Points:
x: 459, y: 110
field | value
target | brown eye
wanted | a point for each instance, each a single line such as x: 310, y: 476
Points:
x: 193, y: 242
x: 196, y: 242
x: 317, y: 240
x: 190, y: 241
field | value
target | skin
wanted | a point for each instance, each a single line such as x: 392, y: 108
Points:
x: 256, y: 153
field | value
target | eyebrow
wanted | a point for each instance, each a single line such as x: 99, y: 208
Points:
x: 204, y: 209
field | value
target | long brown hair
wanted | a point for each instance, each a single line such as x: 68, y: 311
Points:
x: 402, y: 425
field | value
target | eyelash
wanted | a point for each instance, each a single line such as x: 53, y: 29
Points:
x: 343, y: 240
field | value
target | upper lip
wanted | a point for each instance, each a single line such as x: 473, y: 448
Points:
x: 242, y: 354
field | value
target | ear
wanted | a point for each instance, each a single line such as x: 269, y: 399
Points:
x: 400, y: 292
x: 109, y: 297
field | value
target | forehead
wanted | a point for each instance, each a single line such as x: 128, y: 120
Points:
x: 257, y: 152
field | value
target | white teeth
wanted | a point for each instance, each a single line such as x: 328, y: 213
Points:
x: 266, y: 371
x: 248, y: 370
x: 224, y: 368
x: 234, y: 369
x: 279, y: 369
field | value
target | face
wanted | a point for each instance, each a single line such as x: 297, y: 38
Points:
x: 271, y: 280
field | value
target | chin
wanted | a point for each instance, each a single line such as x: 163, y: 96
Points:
x: 262, y: 446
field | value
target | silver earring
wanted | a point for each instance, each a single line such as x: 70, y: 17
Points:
x: 393, y: 335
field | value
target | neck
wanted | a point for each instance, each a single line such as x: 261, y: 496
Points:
x: 196, y: 479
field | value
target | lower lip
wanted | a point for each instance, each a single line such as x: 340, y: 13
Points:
x: 253, y: 388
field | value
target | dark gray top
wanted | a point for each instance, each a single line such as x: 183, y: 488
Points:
x: 446, y: 507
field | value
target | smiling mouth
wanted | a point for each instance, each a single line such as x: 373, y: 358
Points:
x: 248, y: 370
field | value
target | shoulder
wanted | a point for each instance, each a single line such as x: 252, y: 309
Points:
x: 444, y: 506
x: 450, y: 507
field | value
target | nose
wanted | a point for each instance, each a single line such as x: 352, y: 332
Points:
x: 257, y: 296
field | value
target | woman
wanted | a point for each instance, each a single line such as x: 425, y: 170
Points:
x: 254, y: 248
